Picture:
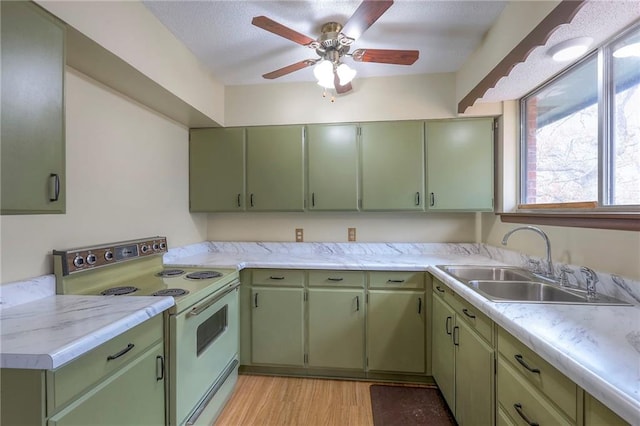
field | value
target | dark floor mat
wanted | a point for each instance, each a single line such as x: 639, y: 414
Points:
x: 407, y: 405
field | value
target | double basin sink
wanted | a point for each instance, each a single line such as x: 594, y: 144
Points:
x: 517, y: 285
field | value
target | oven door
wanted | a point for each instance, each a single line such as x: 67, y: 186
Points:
x: 203, y: 351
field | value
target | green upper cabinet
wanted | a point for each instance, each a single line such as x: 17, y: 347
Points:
x: 216, y: 170
x: 33, y: 141
x: 392, y: 158
x: 275, y: 168
x: 460, y: 164
x: 332, y: 167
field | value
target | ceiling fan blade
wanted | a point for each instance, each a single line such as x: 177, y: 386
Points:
x: 365, y: 15
x: 384, y: 56
x: 289, y: 69
x: 279, y: 29
x: 340, y: 89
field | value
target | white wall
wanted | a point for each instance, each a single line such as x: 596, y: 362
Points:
x: 332, y: 227
x: 127, y: 177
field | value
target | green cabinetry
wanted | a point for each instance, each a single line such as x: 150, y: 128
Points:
x: 32, y: 141
x: 597, y: 414
x: 98, y: 388
x: 216, y: 170
x: 275, y: 168
x: 332, y: 167
x: 392, y: 160
x: 460, y: 164
x: 463, y: 357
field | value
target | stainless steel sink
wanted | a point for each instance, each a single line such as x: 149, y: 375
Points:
x: 516, y: 285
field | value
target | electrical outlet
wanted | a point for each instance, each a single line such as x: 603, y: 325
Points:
x: 352, y: 234
x: 299, y: 235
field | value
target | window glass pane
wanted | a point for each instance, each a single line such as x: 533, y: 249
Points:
x: 561, y: 139
x: 625, y: 149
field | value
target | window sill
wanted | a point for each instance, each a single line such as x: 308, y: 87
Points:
x: 597, y: 220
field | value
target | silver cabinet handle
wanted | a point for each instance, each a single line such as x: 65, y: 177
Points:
x: 54, y: 187
x: 467, y: 313
x: 447, y: 325
x: 521, y: 413
x: 122, y: 352
x: 523, y: 363
x: 197, y: 310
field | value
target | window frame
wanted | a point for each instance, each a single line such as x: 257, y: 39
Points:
x: 603, y: 216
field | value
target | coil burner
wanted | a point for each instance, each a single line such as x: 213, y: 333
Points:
x: 203, y: 275
x: 175, y: 292
x: 119, y: 291
x: 170, y: 273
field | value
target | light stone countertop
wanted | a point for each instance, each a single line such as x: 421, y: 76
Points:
x: 598, y: 347
x: 45, y: 334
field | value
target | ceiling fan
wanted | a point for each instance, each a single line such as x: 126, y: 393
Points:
x: 334, y: 43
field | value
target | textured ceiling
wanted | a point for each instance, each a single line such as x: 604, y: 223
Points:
x: 220, y: 34
x: 445, y: 32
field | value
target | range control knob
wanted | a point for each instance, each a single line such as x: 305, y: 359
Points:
x: 156, y: 246
x: 78, y: 261
x: 163, y: 245
x: 108, y: 255
x: 144, y: 248
x: 91, y: 259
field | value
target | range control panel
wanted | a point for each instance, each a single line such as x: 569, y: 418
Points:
x: 81, y: 259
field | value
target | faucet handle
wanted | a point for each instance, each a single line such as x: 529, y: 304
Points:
x: 564, y: 275
x: 592, y: 278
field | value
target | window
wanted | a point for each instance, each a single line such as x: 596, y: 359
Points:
x: 581, y: 132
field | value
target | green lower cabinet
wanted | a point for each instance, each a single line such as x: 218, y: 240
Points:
x: 277, y: 326
x: 443, y: 365
x: 396, y: 331
x: 474, y: 381
x: 336, y: 328
x: 597, y: 414
x: 131, y: 396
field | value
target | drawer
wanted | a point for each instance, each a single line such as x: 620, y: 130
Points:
x: 396, y: 279
x: 439, y: 289
x: 478, y: 321
x: 522, y: 402
x: 279, y: 277
x: 336, y: 279
x: 544, y: 377
x: 64, y: 383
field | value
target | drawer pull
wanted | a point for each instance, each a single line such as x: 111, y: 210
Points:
x: 335, y: 279
x: 521, y: 413
x: 419, y: 305
x: 276, y: 278
x: 523, y: 363
x: 122, y: 352
x: 255, y: 300
x: 447, y: 326
x: 441, y: 290
x: 467, y: 313
x: 395, y: 281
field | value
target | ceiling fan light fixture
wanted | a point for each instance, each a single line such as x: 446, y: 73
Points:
x: 570, y: 49
x: 345, y: 74
x: 323, y: 71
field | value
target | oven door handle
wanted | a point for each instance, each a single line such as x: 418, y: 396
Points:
x: 197, y: 310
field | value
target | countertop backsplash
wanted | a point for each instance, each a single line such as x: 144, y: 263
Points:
x: 18, y: 292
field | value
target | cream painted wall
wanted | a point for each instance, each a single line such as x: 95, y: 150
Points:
x: 514, y: 23
x: 130, y: 31
x: 615, y: 252
x: 127, y: 177
x: 332, y: 227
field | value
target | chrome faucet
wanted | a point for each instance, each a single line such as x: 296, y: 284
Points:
x: 592, y: 278
x: 549, y: 272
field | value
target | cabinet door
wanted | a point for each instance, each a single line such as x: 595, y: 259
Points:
x: 474, y: 378
x: 442, y: 353
x: 32, y: 147
x: 277, y: 319
x: 393, y: 166
x: 336, y: 328
x: 216, y: 170
x: 460, y: 164
x: 396, y: 331
x: 275, y: 179
x: 596, y: 413
x: 134, y: 395
x: 333, y: 167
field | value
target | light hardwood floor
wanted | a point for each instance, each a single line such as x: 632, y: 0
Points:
x: 271, y: 401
